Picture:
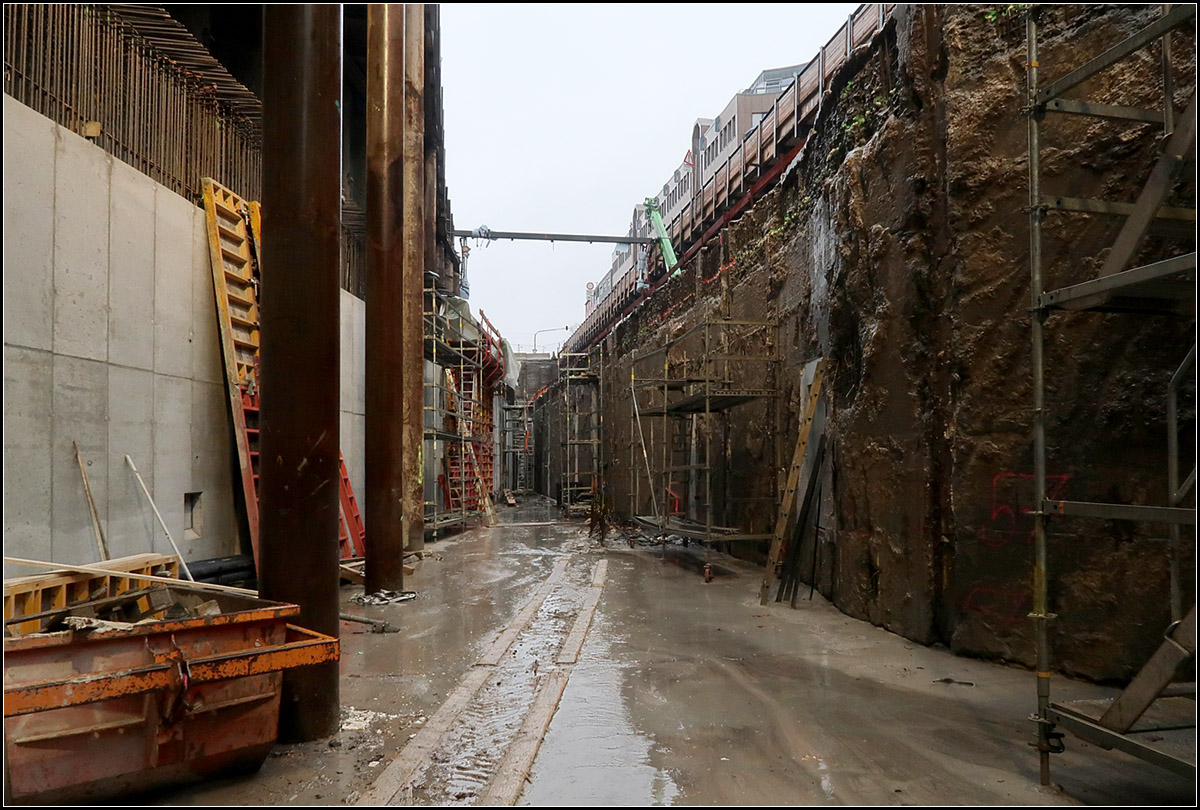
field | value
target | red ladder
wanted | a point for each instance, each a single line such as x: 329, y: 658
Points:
x: 351, y: 531
x: 466, y: 484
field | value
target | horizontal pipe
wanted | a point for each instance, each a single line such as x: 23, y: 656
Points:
x: 1121, y: 511
x: 485, y: 233
x: 1119, y: 209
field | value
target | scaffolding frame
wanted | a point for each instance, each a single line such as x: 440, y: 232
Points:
x: 518, y: 446
x: 1147, y: 720
x: 459, y: 426
x: 580, y: 375
x: 679, y: 391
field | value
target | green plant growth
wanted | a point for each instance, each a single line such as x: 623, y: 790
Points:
x: 996, y: 13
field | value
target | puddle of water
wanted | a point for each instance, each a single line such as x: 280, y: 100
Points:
x: 592, y: 755
x: 826, y: 780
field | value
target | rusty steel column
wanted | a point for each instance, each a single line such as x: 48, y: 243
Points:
x: 433, y: 135
x: 412, y: 348
x: 302, y: 90
x: 384, y: 332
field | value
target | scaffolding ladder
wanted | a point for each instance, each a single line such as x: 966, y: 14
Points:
x: 468, y: 490
x: 581, y: 391
x: 518, y: 446
x: 234, y: 230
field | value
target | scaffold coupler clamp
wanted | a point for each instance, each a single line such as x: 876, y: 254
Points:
x: 1049, y: 741
x: 1169, y: 635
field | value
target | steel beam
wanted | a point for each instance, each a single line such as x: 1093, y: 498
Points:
x: 1183, y: 490
x: 412, y: 303
x: 1178, y: 646
x: 486, y: 233
x: 1110, y: 111
x: 1088, y: 729
x: 1090, y: 293
x: 1040, y: 614
x: 1121, y: 511
x: 1177, y: 492
x: 301, y: 253
x: 1162, y: 177
x: 1117, y: 209
x: 384, y: 366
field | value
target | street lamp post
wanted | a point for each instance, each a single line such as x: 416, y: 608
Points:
x: 538, y: 332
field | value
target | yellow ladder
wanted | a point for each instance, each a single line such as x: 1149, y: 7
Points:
x: 233, y: 229
x: 234, y: 237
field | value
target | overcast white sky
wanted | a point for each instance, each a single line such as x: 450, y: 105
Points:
x: 560, y: 118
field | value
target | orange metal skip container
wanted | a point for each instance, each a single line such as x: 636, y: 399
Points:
x: 90, y: 715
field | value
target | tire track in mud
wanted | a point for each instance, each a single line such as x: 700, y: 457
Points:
x: 493, y: 722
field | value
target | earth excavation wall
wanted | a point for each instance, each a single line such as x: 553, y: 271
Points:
x: 896, y: 247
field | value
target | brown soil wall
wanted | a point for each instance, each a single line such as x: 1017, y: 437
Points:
x: 896, y: 248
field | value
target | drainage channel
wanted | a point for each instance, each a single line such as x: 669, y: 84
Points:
x: 478, y: 747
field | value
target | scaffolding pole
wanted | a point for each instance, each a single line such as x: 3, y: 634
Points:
x: 1163, y: 286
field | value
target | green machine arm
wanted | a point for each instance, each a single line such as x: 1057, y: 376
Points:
x: 660, y: 230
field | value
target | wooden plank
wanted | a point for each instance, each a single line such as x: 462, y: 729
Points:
x: 351, y: 574
x: 89, y: 569
x: 120, y: 565
x: 400, y: 773
x: 24, y: 596
x: 96, y: 604
x: 411, y: 759
x: 101, y: 544
x: 573, y: 643
x: 807, y: 515
x: 788, y: 502
x: 509, y: 781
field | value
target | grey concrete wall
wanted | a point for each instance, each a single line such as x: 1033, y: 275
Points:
x: 110, y: 341
x: 354, y: 407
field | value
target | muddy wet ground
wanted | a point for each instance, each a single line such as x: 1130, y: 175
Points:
x: 684, y: 692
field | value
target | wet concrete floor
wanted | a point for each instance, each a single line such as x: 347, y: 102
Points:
x: 685, y: 692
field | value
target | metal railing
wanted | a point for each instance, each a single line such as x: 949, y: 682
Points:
x: 774, y: 139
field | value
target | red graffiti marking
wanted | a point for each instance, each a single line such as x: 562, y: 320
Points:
x: 674, y: 307
x: 731, y: 263
x: 1012, y: 504
x: 997, y: 604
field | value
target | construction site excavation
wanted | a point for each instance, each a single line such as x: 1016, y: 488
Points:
x: 816, y: 425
